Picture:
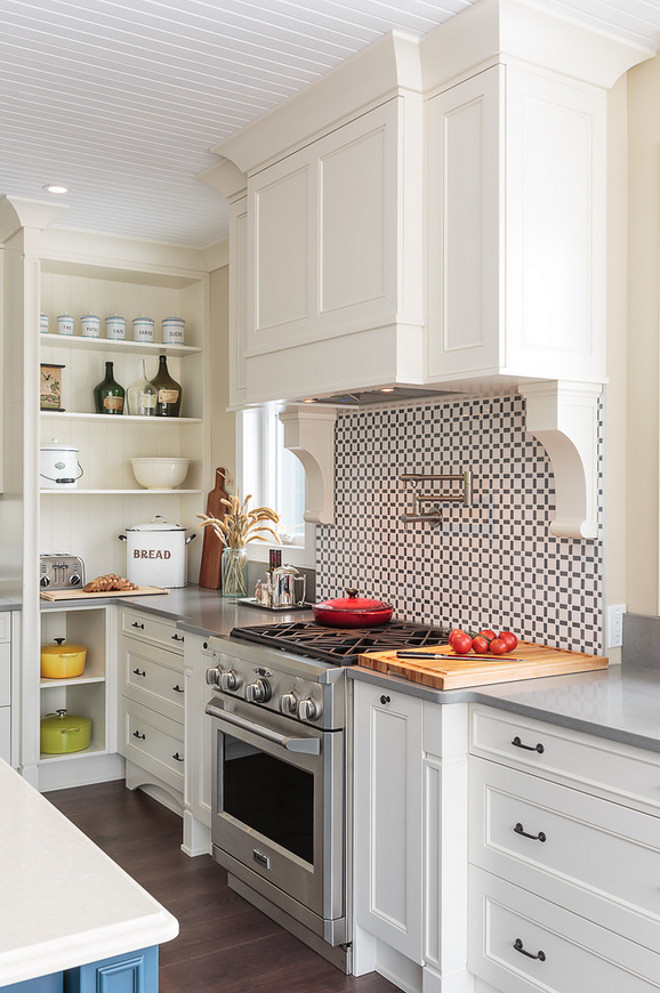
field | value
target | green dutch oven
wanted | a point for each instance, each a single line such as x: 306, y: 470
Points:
x: 62, y: 733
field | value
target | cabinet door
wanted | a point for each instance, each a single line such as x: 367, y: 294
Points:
x: 136, y: 972
x: 388, y: 817
x: 464, y: 180
x: 238, y: 299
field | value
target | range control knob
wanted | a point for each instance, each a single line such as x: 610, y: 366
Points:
x: 258, y: 691
x: 229, y: 681
x: 308, y: 709
x: 213, y: 676
x: 289, y: 703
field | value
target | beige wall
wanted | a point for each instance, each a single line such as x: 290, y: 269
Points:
x: 222, y: 424
x: 641, y: 466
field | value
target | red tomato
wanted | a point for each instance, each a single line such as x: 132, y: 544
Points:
x: 462, y: 643
x: 509, y: 640
x: 498, y: 647
x: 452, y: 633
x: 480, y: 645
x: 487, y: 634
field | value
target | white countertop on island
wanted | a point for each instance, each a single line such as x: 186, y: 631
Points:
x: 66, y: 903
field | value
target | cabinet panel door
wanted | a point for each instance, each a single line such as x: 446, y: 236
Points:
x: 281, y: 209
x: 238, y: 300
x: 388, y: 832
x: 463, y: 162
x: 136, y: 972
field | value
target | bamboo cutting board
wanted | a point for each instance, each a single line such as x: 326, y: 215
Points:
x: 81, y: 595
x: 527, y: 661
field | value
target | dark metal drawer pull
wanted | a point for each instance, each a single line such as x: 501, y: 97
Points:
x: 530, y: 748
x: 140, y: 672
x: 384, y: 699
x: 178, y: 637
x: 541, y: 836
x: 179, y: 758
x: 177, y: 689
x: 518, y: 945
x: 136, y: 734
x: 136, y: 624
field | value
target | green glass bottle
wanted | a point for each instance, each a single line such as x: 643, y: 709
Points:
x: 168, y: 396
x: 109, y: 395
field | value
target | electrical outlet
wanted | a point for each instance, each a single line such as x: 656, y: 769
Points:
x: 615, y: 625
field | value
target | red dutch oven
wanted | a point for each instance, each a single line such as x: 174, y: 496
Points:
x: 352, y: 611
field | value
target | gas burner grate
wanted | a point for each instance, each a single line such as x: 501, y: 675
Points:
x: 341, y: 645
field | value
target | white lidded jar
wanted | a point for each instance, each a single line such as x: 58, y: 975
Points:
x: 90, y: 326
x: 115, y: 327
x: 43, y: 323
x: 59, y: 468
x: 143, y: 329
x: 156, y: 553
x: 65, y: 324
x: 173, y: 330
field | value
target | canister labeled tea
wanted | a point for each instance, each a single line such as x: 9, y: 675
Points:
x: 143, y: 329
x: 173, y: 330
x: 90, y: 326
x: 65, y: 324
x: 115, y: 327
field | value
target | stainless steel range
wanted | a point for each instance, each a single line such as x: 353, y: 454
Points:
x: 281, y: 771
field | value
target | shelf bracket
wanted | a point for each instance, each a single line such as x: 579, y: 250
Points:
x: 564, y: 417
x: 309, y: 432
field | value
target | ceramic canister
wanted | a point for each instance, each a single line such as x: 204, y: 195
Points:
x: 90, y: 325
x: 43, y: 323
x: 65, y: 324
x: 143, y: 329
x: 173, y: 330
x: 115, y: 327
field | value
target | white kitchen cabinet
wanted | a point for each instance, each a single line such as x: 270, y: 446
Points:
x: 238, y: 300
x: 199, y: 742
x: 410, y: 831
x: 388, y: 803
x: 544, y: 817
x: 6, y: 682
x: 151, y: 704
x: 516, y: 214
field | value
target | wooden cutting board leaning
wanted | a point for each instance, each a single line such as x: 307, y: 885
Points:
x: 210, y: 570
x: 452, y: 671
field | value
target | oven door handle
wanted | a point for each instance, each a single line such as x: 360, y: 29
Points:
x: 311, y: 746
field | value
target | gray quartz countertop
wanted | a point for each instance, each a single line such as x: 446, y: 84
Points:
x: 6, y: 603
x: 621, y: 703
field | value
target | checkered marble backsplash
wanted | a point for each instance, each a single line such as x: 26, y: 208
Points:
x: 493, y: 564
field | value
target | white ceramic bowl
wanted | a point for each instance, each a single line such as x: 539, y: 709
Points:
x: 161, y: 473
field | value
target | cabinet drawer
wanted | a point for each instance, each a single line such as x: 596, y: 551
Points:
x: 157, y: 630
x: 5, y: 625
x: 153, y: 742
x: 5, y: 675
x: 577, y: 955
x: 154, y: 678
x: 598, y: 858
x: 587, y: 761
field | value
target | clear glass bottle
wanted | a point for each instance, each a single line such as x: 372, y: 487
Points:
x: 168, y: 391
x: 142, y: 395
x: 108, y: 394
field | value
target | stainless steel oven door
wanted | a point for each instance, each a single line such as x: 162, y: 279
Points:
x: 279, y: 809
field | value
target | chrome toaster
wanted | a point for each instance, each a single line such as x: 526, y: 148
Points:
x: 61, y: 572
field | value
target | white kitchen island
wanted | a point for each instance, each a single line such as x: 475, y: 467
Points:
x: 68, y: 908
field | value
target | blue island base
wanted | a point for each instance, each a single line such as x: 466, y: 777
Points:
x: 135, y: 972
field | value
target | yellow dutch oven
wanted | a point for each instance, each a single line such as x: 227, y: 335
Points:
x: 62, y: 733
x: 60, y: 661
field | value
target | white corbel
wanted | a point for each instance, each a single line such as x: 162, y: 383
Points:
x: 564, y: 418
x: 309, y: 432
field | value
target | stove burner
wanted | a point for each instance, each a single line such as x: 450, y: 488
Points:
x: 341, y: 645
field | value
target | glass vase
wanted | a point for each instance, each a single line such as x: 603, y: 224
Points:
x: 234, y: 572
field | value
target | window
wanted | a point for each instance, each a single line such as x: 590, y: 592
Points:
x: 274, y: 477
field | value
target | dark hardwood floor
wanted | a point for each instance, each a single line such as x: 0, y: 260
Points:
x: 224, y: 944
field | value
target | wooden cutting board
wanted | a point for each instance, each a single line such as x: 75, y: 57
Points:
x: 81, y: 595
x: 457, y: 671
x: 210, y: 569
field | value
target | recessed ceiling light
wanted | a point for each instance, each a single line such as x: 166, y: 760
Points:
x: 56, y: 188
x: 309, y: 400
x: 387, y: 389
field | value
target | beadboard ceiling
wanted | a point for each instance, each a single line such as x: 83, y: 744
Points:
x: 120, y: 100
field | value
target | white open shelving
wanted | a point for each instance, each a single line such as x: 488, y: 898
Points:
x: 116, y: 345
